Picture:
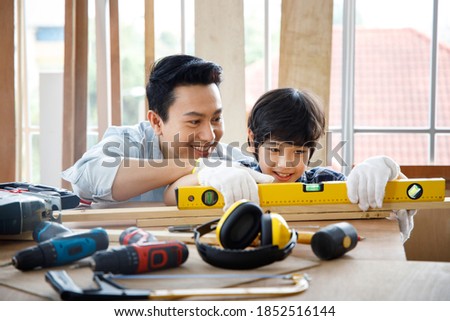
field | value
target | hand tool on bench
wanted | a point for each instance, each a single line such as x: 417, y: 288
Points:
x: 107, y: 289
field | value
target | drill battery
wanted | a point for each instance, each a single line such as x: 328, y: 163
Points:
x: 59, y: 198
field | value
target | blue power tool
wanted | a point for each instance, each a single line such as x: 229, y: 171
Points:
x: 61, y: 249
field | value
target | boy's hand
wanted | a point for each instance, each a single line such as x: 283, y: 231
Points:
x: 405, y: 220
x: 233, y: 180
x: 367, y: 181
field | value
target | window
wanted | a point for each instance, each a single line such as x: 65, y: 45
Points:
x: 401, y: 104
x: 43, y: 55
x: 401, y: 86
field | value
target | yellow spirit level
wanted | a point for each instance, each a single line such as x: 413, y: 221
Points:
x: 335, y: 192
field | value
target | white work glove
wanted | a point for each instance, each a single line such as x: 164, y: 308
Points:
x: 367, y: 181
x: 233, y: 180
x: 405, y: 220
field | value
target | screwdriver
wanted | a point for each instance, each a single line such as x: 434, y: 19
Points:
x: 62, y: 249
x: 137, y: 255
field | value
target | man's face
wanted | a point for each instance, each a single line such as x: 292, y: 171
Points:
x: 194, y: 125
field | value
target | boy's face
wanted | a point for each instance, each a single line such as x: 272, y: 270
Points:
x: 194, y: 125
x: 284, y: 161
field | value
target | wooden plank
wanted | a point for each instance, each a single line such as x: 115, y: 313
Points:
x: 171, y: 215
x: 81, y: 76
x: 155, y: 222
x: 336, y: 208
x: 430, y: 238
x: 427, y: 171
x: 68, y: 156
x: 219, y: 37
x: 293, y: 217
x: 102, y: 68
x: 22, y: 116
x: 8, y: 119
x: 116, y: 97
x: 75, y: 82
x: 305, y: 52
x: 149, y: 34
x: 133, y: 213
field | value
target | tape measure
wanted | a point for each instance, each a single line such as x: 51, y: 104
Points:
x: 334, y: 192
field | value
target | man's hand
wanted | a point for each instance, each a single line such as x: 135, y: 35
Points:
x: 367, y: 181
x: 233, y: 180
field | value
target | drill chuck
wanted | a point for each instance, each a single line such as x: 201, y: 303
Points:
x: 61, y: 250
x: 140, y: 258
x: 20, y: 214
x: 334, y: 240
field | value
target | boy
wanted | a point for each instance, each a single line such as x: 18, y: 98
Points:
x: 283, y: 129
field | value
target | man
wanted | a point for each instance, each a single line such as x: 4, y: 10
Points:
x: 184, y: 123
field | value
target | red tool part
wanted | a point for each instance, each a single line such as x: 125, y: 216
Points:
x: 140, y: 258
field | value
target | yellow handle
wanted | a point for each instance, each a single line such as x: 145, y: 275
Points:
x: 304, y: 237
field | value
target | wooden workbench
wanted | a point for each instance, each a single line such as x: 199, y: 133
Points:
x: 376, y: 269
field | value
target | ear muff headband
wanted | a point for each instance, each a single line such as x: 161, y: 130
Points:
x: 240, y: 225
x: 240, y: 259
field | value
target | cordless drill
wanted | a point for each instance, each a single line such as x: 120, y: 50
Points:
x: 66, y: 247
x: 23, y: 206
x: 21, y: 213
x: 140, y: 252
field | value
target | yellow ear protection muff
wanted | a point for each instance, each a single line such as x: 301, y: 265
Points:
x: 244, y: 220
x: 239, y: 225
x: 274, y: 230
x: 237, y: 229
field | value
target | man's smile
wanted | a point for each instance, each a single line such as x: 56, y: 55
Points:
x: 202, y: 150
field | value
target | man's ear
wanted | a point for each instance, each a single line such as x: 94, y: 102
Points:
x: 251, y: 141
x: 155, y: 121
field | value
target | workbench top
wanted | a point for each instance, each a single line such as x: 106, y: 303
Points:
x: 376, y: 269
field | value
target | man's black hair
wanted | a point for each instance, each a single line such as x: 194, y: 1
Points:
x: 287, y: 115
x: 178, y: 70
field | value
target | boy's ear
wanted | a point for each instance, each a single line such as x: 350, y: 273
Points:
x: 155, y: 121
x: 251, y: 141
